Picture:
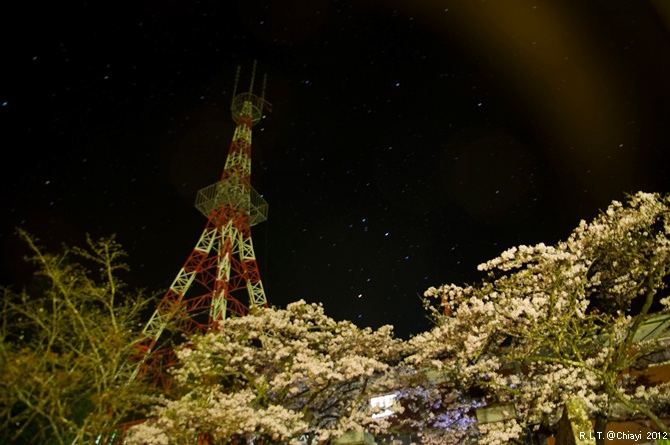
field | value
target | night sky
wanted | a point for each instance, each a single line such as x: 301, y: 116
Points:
x: 408, y: 142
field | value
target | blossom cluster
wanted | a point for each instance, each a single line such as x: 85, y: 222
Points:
x: 277, y: 376
x: 550, y: 323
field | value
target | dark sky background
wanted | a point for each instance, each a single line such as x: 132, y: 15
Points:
x: 409, y: 141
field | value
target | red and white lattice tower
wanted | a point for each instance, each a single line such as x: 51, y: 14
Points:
x: 222, y: 266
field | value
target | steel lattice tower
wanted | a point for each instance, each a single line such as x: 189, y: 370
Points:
x: 222, y: 266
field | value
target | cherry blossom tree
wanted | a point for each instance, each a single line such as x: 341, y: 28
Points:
x: 67, y: 347
x: 549, y: 324
x: 275, y: 376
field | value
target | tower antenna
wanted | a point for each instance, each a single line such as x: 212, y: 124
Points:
x: 265, y: 81
x: 253, y: 77
x: 237, y: 79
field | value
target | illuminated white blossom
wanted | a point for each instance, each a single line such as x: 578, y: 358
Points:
x: 556, y: 319
x: 277, y: 376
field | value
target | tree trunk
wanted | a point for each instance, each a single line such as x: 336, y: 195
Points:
x: 600, y: 428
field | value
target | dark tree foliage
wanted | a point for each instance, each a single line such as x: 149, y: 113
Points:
x: 66, y: 355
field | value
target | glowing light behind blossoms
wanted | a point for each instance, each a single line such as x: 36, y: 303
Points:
x: 384, y: 402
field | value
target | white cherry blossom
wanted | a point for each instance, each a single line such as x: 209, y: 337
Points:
x: 550, y: 323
